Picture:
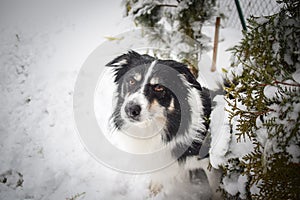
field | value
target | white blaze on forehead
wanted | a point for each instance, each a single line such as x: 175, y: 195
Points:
x: 137, y: 76
x: 148, y: 74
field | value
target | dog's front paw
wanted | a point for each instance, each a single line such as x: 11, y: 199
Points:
x: 155, y: 188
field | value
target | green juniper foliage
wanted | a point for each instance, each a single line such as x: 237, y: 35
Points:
x: 175, y: 27
x: 264, y: 96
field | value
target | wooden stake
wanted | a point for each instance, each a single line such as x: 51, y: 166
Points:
x: 216, y: 42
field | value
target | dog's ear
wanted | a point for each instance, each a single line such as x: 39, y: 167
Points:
x: 125, y: 60
x: 123, y: 63
x: 190, y: 77
x: 183, y: 70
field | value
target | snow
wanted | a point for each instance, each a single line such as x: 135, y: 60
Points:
x: 296, y: 74
x: 242, y: 186
x: 220, y: 131
x: 225, y: 145
x: 270, y: 91
x: 43, y: 46
x: 231, y: 184
x: 295, y: 152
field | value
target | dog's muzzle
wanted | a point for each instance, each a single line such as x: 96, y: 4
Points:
x: 133, y: 110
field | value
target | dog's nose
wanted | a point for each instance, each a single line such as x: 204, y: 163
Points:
x: 133, y: 110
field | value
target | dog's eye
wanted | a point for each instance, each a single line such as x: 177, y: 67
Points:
x: 132, y: 81
x: 158, y: 88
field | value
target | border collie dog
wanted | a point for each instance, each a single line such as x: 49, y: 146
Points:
x: 161, y: 102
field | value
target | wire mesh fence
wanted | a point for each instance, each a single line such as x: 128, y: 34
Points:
x: 249, y: 8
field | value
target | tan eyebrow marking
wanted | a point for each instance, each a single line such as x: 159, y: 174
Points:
x: 137, y: 76
x: 171, y: 106
x: 154, y: 81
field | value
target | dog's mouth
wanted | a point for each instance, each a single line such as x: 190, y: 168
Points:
x: 144, y: 127
x: 143, y: 131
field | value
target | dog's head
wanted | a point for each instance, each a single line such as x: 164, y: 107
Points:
x: 154, y: 94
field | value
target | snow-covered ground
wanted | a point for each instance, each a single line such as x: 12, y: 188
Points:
x: 42, y: 48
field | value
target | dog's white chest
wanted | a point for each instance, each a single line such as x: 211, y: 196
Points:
x: 137, y: 145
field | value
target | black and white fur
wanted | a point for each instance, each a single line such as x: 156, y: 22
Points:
x: 146, y: 106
